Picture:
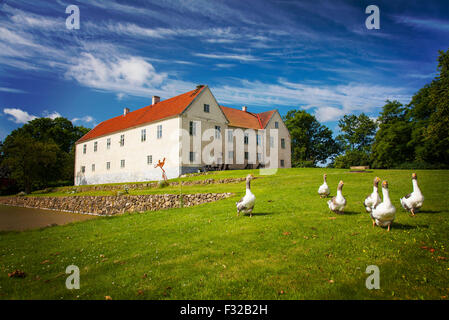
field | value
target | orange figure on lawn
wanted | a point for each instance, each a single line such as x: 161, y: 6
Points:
x: 160, y: 164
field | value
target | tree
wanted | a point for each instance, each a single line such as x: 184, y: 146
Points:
x: 356, y: 139
x: 428, y: 114
x: 392, y: 143
x: 31, y: 162
x: 311, y: 141
x: 41, y: 152
x: 357, y: 132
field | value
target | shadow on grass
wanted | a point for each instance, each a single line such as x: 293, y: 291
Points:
x: 407, y: 226
x: 428, y: 211
x: 350, y: 213
x: 259, y: 214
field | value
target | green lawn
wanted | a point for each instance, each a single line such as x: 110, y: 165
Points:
x: 292, y: 247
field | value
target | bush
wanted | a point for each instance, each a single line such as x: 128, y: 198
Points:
x: 162, y: 184
x: 352, y: 158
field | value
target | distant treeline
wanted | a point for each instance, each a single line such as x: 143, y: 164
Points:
x: 39, y: 154
x: 412, y: 136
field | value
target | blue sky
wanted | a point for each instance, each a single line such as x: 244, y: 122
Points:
x: 311, y: 54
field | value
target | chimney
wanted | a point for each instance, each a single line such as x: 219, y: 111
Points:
x: 125, y: 111
x: 244, y: 108
x: 156, y: 99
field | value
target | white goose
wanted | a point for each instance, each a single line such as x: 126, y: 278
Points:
x: 337, y: 204
x: 373, y: 199
x: 413, y: 201
x: 246, y: 204
x: 323, y: 190
x: 384, y: 213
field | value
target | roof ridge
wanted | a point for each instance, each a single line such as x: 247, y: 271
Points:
x: 260, y: 122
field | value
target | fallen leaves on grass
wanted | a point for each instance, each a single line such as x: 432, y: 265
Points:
x: 17, y: 274
x: 45, y: 261
x: 107, y: 298
x: 286, y: 233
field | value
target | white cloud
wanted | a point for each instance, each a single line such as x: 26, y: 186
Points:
x: 124, y: 75
x: 239, y: 57
x: 18, y: 115
x: 433, y: 24
x: 12, y: 90
x: 114, y: 73
x: 87, y: 119
x: 52, y: 115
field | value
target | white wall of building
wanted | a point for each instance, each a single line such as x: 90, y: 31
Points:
x: 134, y: 152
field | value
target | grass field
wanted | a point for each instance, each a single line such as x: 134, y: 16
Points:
x: 292, y: 247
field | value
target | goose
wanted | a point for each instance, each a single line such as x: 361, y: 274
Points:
x: 246, y: 204
x: 413, y: 201
x: 337, y: 204
x: 384, y: 213
x: 373, y: 199
x: 323, y: 190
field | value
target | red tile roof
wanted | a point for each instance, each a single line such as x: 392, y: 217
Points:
x: 172, y: 107
x: 164, y: 109
x: 244, y: 119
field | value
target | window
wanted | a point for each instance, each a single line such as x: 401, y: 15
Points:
x: 149, y: 159
x: 93, y: 167
x: 230, y: 136
x: 282, y: 163
x: 192, y: 156
x: 143, y: 135
x: 246, y: 138
x: 159, y: 131
x: 84, y: 148
x: 206, y: 108
x: 271, y: 142
x: 83, y: 169
x: 108, y: 165
x: 276, y: 125
x: 192, y: 128
x: 95, y: 146
x: 246, y: 155
x: 217, y: 132
x: 122, y: 140
x: 283, y: 143
x: 122, y: 163
x: 259, y: 156
x: 108, y: 143
x: 231, y: 155
x: 258, y: 139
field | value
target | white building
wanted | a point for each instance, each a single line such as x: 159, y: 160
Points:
x: 190, y: 131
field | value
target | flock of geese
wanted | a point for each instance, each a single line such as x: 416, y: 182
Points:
x: 382, y: 211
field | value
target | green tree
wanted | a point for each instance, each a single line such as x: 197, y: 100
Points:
x: 357, y: 132
x: 355, y: 140
x: 52, y: 161
x: 392, y: 145
x: 311, y: 141
x: 32, y: 162
x: 428, y: 114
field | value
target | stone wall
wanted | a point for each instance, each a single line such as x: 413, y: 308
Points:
x: 148, y: 185
x: 110, y: 205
